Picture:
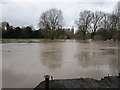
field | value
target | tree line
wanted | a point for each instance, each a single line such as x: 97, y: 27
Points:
x: 90, y: 25
x: 29, y: 32
x: 97, y: 25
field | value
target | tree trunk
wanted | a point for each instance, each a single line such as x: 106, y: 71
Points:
x: 84, y: 35
x: 92, y: 35
x: 52, y: 38
x: 52, y: 35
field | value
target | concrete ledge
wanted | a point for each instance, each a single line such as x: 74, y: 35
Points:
x: 106, y: 82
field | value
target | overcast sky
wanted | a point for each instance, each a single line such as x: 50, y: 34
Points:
x: 27, y: 12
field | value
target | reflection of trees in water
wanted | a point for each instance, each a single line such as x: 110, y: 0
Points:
x: 113, y: 65
x: 84, y: 59
x: 99, y: 58
x: 51, y: 55
x: 108, y: 52
x: 112, y: 59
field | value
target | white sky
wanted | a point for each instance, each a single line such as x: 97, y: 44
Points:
x: 27, y: 12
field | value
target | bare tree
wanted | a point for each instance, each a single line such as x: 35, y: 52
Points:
x: 51, y: 20
x: 114, y: 21
x: 109, y: 24
x: 113, y: 27
x: 83, y: 23
x: 105, y: 23
x: 4, y: 25
x: 104, y: 26
x: 96, y: 19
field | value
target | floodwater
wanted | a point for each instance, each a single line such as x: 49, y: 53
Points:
x: 25, y: 64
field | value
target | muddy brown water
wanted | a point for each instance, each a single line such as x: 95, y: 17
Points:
x: 25, y: 64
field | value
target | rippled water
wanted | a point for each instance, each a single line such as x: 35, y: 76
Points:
x: 25, y: 64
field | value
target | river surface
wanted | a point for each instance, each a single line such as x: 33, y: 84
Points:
x: 25, y: 64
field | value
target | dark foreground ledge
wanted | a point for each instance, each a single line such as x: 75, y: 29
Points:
x: 106, y: 82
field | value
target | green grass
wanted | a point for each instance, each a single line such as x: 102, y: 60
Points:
x: 23, y: 39
x: 30, y: 39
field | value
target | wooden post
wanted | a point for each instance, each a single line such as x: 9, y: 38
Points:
x: 46, y: 82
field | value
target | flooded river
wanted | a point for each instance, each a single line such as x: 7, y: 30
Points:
x: 25, y: 64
